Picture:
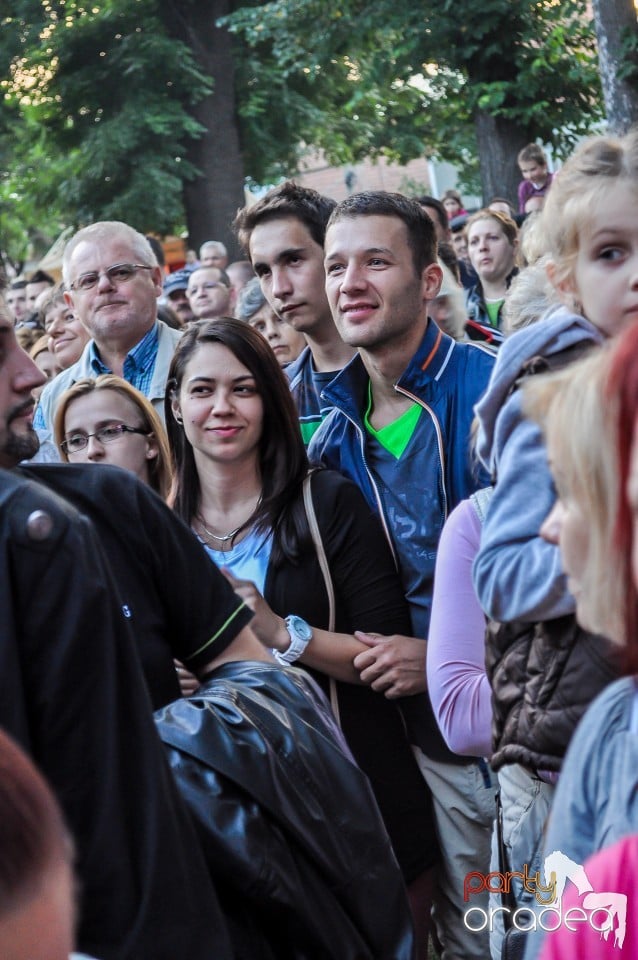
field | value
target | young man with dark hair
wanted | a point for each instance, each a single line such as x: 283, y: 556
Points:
x: 283, y: 235
x: 36, y: 283
x: 400, y: 429
x: 438, y: 215
x: 16, y: 300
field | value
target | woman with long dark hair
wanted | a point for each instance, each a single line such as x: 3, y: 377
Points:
x: 241, y: 473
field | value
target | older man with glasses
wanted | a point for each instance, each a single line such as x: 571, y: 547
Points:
x: 209, y: 293
x: 112, y: 282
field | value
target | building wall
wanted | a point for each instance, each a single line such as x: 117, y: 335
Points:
x: 339, y: 182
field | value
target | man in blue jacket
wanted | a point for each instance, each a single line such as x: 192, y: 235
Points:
x: 400, y: 428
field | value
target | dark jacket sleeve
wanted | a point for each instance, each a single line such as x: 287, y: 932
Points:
x: 287, y: 821
x: 71, y: 692
x: 183, y: 605
x: 203, y: 613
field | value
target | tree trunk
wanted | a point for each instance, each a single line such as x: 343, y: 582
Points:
x: 212, y: 199
x: 499, y: 141
x: 615, y: 20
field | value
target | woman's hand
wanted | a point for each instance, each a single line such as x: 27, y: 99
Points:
x: 188, y: 682
x: 266, y: 625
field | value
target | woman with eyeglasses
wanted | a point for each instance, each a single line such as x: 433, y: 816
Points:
x: 240, y: 472
x: 106, y: 420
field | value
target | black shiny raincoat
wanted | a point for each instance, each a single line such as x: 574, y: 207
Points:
x: 289, y: 826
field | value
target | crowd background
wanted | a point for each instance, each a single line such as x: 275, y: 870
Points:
x: 369, y: 433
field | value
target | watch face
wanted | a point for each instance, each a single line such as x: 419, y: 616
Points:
x: 300, y: 627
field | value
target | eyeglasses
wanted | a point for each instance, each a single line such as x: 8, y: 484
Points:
x: 117, y: 274
x: 78, y: 441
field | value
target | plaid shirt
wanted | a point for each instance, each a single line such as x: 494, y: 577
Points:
x: 139, y: 364
x: 145, y: 367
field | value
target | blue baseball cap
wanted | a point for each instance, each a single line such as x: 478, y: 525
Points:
x: 178, y: 280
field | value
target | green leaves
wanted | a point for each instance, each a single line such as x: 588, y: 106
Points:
x: 402, y: 79
x: 97, y: 99
x: 100, y: 95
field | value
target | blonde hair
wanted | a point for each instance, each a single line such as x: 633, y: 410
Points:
x: 532, y: 240
x: 529, y: 297
x: 579, y: 185
x: 27, y: 337
x: 159, y: 468
x: 578, y: 424
x: 507, y: 225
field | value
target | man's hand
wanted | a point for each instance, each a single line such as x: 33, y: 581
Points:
x: 394, y: 666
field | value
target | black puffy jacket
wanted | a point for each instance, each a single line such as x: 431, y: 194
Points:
x: 289, y: 825
x: 543, y: 678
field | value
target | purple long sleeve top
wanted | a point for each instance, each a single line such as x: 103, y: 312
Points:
x: 457, y: 681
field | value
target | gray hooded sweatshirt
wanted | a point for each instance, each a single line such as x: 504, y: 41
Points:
x: 517, y: 575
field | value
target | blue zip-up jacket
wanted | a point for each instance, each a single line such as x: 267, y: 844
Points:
x: 446, y: 378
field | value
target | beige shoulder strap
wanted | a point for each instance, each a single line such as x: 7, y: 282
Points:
x: 315, y: 533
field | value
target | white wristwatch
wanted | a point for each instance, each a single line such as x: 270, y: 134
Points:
x: 300, y: 634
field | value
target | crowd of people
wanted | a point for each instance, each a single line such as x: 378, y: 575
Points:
x: 335, y: 650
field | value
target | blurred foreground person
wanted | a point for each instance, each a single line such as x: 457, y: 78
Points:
x: 36, y: 874
x: 595, y: 525
x: 85, y: 719
x: 37, y: 892
x: 72, y: 695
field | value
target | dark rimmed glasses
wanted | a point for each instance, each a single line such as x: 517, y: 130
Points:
x: 79, y: 441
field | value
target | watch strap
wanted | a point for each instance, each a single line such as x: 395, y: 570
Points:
x: 295, y: 649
